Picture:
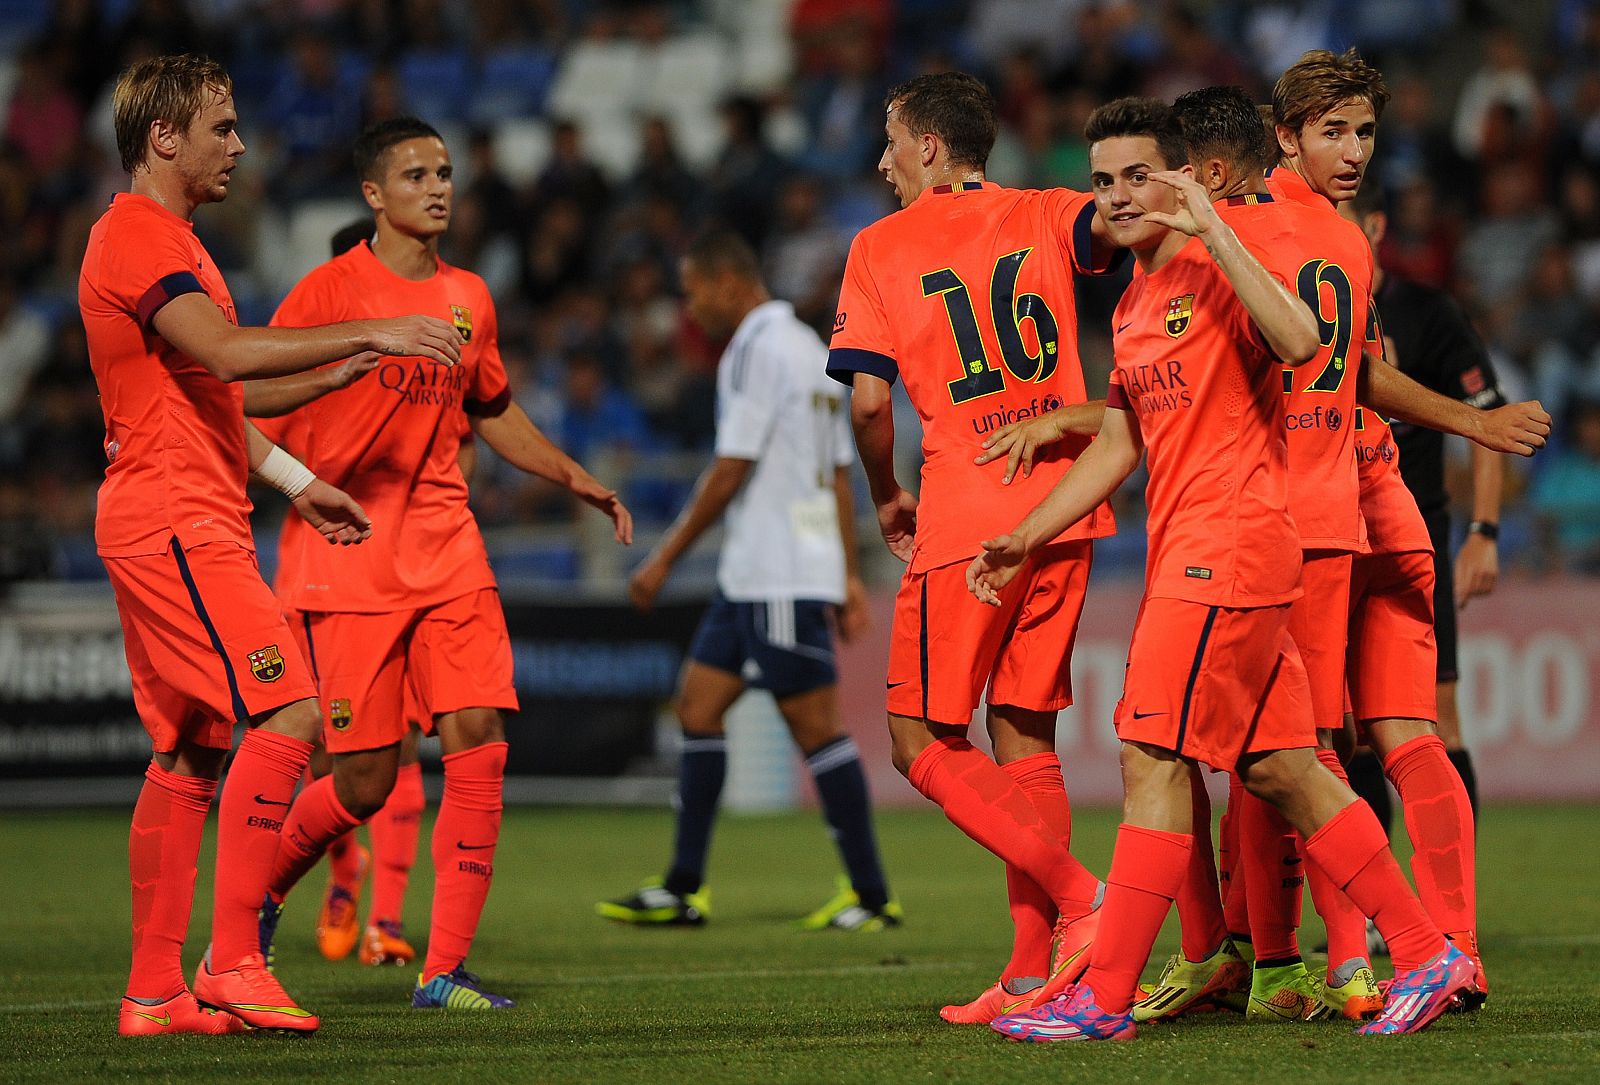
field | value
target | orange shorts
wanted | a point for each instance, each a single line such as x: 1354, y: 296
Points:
x: 1320, y: 636
x: 1394, y: 659
x: 1213, y: 683
x: 945, y: 645
x: 206, y: 642
x: 378, y: 673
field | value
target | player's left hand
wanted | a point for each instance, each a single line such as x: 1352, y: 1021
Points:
x: 993, y: 569
x: 1521, y: 428
x: 334, y: 514
x: 1477, y: 569
x: 1020, y: 442
x: 609, y: 503
x: 1194, y: 215
x: 897, y: 519
x: 853, y: 617
x: 646, y: 582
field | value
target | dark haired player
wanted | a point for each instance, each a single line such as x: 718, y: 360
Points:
x: 966, y: 294
x: 419, y: 606
x: 1213, y: 674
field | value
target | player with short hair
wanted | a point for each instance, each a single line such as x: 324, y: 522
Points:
x: 781, y: 475
x: 419, y: 606
x: 1213, y: 674
x: 966, y: 294
x: 206, y: 643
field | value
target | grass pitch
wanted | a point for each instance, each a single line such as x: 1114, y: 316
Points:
x: 749, y: 998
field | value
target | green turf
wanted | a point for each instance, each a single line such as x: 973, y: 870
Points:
x: 748, y: 998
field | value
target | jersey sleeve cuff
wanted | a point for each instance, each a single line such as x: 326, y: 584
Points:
x: 1083, y: 246
x: 845, y: 362
x: 489, y: 408
x: 165, y: 289
x: 1117, y: 398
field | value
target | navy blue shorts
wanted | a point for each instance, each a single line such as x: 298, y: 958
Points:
x: 783, y: 646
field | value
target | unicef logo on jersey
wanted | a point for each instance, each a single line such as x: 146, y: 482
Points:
x: 1006, y: 415
x: 1335, y: 419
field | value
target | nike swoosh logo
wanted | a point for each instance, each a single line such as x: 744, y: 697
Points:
x: 1009, y: 1007
x: 1124, y: 327
x: 164, y: 1020
x: 264, y: 801
x: 895, y: 685
x: 288, y: 1011
x: 473, y: 847
x: 1145, y: 715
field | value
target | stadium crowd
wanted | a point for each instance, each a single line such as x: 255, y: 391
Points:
x: 594, y: 139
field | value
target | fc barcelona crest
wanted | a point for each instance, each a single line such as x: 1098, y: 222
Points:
x: 339, y: 713
x: 461, y: 317
x: 1180, y: 311
x: 266, y: 664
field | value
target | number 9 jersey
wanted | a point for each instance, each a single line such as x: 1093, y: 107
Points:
x: 967, y: 296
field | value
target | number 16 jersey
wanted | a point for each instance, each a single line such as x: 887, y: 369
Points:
x: 967, y: 296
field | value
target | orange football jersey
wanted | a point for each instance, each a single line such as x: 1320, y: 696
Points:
x: 1206, y: 390
x: 176, y: 461
x: 390, y: 441
x: 967, y: 296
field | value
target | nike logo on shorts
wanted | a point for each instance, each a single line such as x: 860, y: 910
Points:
x: 1145, y: 715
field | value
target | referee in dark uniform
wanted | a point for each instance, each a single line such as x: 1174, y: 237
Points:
x: 1434, y: 344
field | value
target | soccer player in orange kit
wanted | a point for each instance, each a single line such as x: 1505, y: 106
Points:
x: 418, y: 606
x: 207, y: 645
x: 966, y: 294
x: 1213, y: 674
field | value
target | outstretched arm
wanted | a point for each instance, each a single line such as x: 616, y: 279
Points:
x: 275, y: 396
x: 1285, y: 323
x: 196, y: 326
x: 518, y: 441
x: 872, y: 418
x: 1094, y: 477
x: 1517, y: 427
x: 715, y: 490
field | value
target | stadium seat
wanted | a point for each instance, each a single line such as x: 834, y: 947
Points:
x: 512, y: 83
x: 697, y: 132
x: 437, y: 84
x: 311, y: 224
x: 611, y: 141
x: 688, y: 69
x: 596, y: 78
x: 522, y: 147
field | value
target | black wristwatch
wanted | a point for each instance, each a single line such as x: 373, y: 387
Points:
x: 1487, y: 528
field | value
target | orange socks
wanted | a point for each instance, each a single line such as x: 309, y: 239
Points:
x: 1199, y: 900
x: 163, y: 848
x: 316, y: 820
x: 1439, y: 819
x: 1353, y: 852
x: 1230, y: 869
x: 394, y: 832
x: 984, y: 802
x: 1033, y: 913
x: 1345, y: 923
x: 464, y: 839
x: 250, y: 817
x: 1147, y: 868
x: 1272, y: 871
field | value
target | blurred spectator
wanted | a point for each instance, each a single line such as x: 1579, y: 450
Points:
x: 1566, y: 491
x: 1498, y: 250
x: 1414, y: 145
x: 45, y: 120
x: 843, y: 107
x: 660, y: 172
x: 747, y: 173
x: 570, y: 175
x: 24, y: 340
x: 1190, y: 58
x: 314, y: 113
x: 805, y: 255
x: 1504, y: 80
x: 598, y: 415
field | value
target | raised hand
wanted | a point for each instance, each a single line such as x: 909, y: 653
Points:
x: 334, y: 514
x: 1195, y: 214
x: 993, y: 569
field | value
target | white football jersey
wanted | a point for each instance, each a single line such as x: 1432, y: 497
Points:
x: 777, y: 406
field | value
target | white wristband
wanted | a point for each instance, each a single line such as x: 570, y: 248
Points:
x: 284, y: 473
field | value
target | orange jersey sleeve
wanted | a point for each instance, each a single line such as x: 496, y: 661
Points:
x: 175, y: 447
x: 1326, y: 261
x: 1394, y: 523
x: 391, y: 440
x: 1206, y: 392
x: 967, y: 297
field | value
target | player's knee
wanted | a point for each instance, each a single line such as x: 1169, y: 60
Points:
x: 363, y: 789
x: 1269, y: 779
x: 301, y: 720
x: 699, y: 721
